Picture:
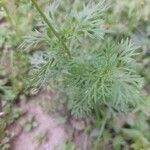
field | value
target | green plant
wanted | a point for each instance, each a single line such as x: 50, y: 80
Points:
x: 142, y: 38
x: 14, y: 12
x: 28, y: 123
x: 94, y: 71
x: 135, y: 130
x: 4, y: 144
x: 11, y: 114
x: 13, y: 65
x: 69, y: 146
x: 40, y: 138
x: 125, y: 16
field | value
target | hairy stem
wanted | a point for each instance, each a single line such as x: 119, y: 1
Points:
x: 51, y: 27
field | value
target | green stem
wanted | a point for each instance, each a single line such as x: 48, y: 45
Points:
x: 12, y: 23
x: 51, y: 27
x: 102, y: 129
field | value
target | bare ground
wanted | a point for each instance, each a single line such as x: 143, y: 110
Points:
x: 59, y: 130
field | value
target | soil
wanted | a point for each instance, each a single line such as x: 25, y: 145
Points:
x: 58, y: 129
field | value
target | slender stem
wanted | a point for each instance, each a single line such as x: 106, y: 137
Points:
x: 12, y: 23
x: 102, y: 129
x: 51, y: 27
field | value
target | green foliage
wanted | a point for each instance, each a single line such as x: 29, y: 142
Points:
x: 99, y: 72
x: 28, y: 123
x: 11, y: 114
x: 3, y: 32
x: 40, y: 138
x: 125, y: 16
x: 125, y: 132
x: 13, y: 65
x: 142, y: 39
x: 99, y: 76
x: 137, y: 132
x: 18, y: 15
x: 69, y: 146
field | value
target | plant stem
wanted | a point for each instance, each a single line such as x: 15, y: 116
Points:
x: 51, y: 27
x: 102, y: 129
x: 11, y: 21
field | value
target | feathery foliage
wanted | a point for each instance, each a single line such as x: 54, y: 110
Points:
x: 98, y: 72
